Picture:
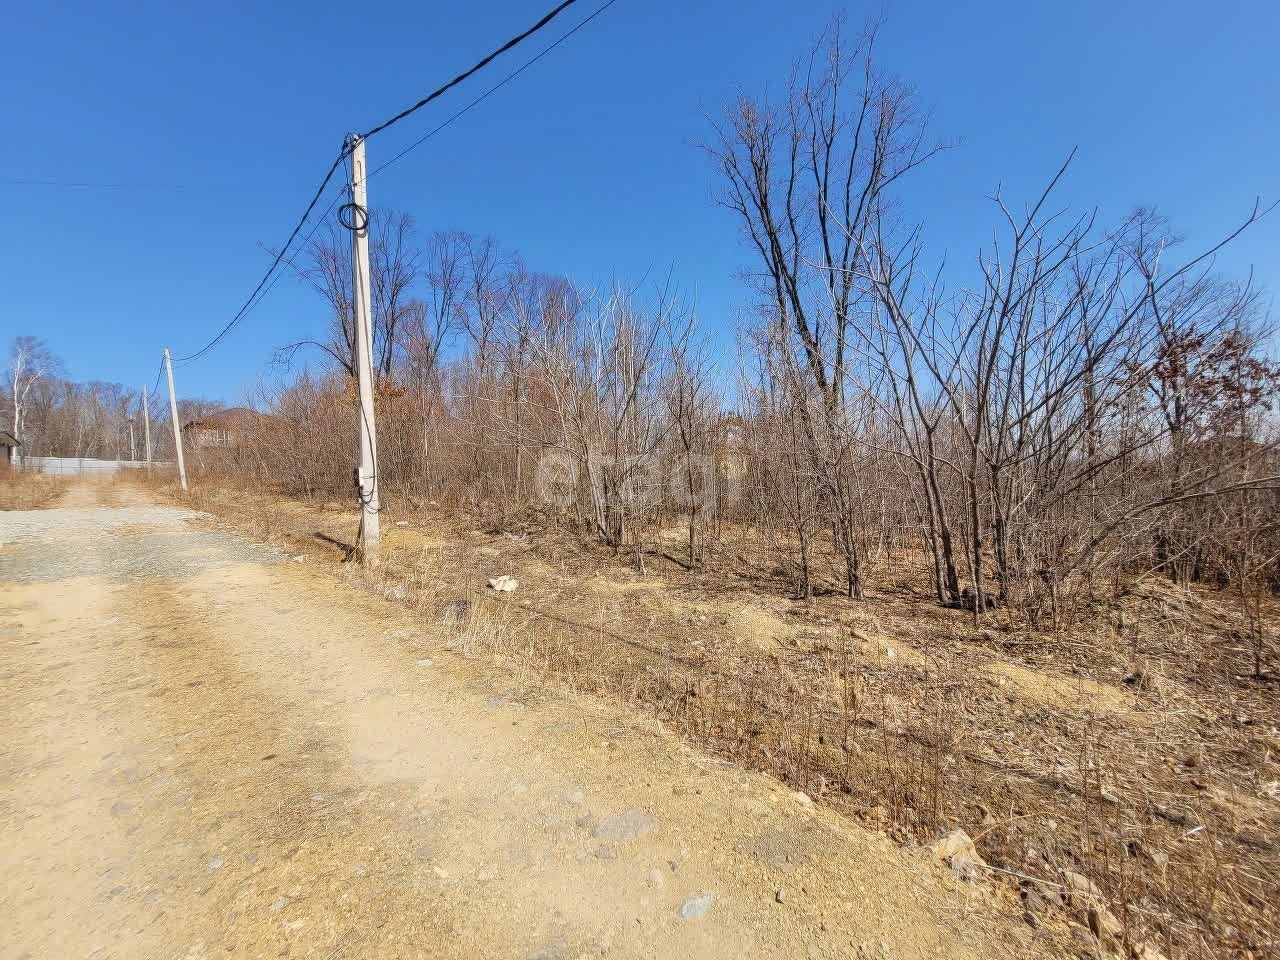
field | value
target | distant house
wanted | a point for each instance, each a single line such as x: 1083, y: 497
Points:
x: 9, y: 444
x: 225, y: 428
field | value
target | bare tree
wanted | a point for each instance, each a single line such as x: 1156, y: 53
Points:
x: 806, y: 178
x: 693, y: 409
x: 603, y: 373
x: 30, y: 362
x: 395, y: 264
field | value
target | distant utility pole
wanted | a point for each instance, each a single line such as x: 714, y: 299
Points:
x: 133, y: 450
x: 146, y: 427
x: 367, y: 473
x: 177, y: 427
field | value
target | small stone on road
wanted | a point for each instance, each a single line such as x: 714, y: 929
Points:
x: 695, y: 908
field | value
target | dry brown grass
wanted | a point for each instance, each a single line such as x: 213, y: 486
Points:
x: 907, y: 717
x: 24, y: 490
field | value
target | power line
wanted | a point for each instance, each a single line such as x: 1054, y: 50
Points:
x: 440, y: 91
x: 289, y: 260
x: 492, y: 90
x: 156, y: 386
x: 345, y: 152
x: 244, y: 308
x: 93, y: 185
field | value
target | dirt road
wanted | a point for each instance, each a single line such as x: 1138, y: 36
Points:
x: 209, y: 751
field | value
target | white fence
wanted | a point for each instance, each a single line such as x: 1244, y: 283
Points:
x: 76, y: 465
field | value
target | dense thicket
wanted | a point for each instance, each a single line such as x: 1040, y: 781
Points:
x: 1084, y: 400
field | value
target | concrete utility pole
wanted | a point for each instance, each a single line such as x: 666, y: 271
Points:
x: 146, y: 427
x: 133, y: 450
x: 367, y: 474
x: 177, y: 426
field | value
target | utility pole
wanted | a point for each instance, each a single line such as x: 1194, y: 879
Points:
x: 367, y: 473
x: 133, y: 450
x: 177, y: 426
x: 146, y: 427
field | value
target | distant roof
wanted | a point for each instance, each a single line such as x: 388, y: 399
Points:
x: 7, y: 439
x: 227, y: 419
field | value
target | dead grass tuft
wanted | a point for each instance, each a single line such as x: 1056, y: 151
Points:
x: 25, y: 490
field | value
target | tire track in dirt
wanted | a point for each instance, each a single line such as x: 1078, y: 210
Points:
x: 264, y: 795
x: 70, y: 760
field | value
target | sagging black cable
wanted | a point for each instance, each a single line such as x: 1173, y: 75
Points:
x: 490, y: 92
x: 244, y: 308
x: 346, y: 151
x: 441, y: 91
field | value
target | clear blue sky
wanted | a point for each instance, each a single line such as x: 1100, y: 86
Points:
x: 587, y: 164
